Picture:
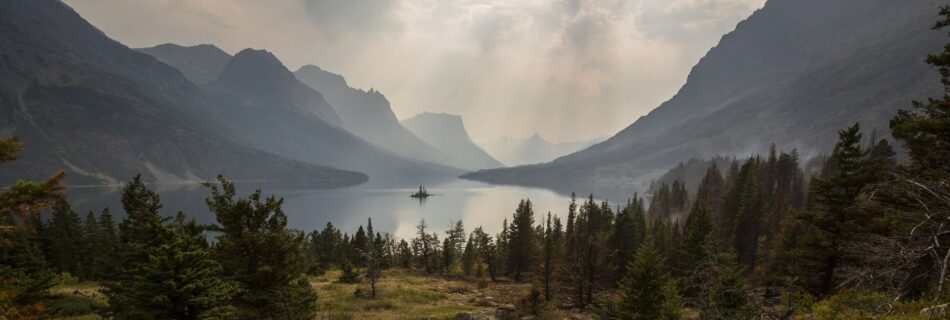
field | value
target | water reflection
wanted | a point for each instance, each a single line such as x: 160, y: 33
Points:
x: 392, y: 210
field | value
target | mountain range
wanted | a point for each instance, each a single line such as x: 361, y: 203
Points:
x: 794, y: 73
x: 368, y: 115
x: 268, y: 108
x: 447, y: 133
x: 533, y: 149
x: 83, y: 102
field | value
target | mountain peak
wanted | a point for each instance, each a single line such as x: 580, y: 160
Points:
x: 258, y: 66
x: 201, y: 64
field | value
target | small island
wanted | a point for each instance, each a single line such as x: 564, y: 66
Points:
x: 421, y: 194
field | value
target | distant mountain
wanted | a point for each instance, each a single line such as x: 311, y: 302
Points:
x: 793, y: 74
x: 201, y: 64
x: 447, y: 133
x: 266, y: 107
x: 90, y: 105
x: 533, y: 149
x: 368, y: 115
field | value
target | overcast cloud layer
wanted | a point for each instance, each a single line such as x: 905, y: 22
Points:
x: 569, y: 69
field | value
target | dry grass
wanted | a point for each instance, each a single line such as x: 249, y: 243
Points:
x: 406, y: 295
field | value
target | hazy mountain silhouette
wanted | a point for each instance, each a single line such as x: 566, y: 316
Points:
x: 533, y: 149
x: 267, y: 107
x: 85, y: 103
x: 201, y: 64
x: 447, y: 133
x: 368, y: 115
x: 794, y: 73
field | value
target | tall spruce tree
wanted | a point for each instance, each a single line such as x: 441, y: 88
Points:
x: 830, y: 216
x: 180, y: 280
x: 257, y: 251
x: 523, y: 242
x: 142, y: 230
x: 65, y: 243
x: 647, y: 291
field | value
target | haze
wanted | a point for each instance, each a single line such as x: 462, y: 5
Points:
x: 567, y: 69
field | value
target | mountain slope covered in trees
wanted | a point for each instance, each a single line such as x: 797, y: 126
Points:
x: 90, y: 105
x: 791, y: 74
x: 447, y: 133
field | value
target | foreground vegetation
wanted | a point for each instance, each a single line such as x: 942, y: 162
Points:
x: 864, y: 237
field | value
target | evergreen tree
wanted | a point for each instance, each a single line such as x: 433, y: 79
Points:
x: 258, y: 252
x: 180, y: 280
x: 423, y: 242
x: 623, y: 240
x: 647, y: 291
x: 552, y: 253
x: 522, y: 246
x: 725, y: 294
x: 64, y: 236
x: 91, y: 252
x: 847, y: 172
x: 107, y: 243
x: 487, y: 252
x: 328, y: 247
x: 452, y: 248
x: 697, y: 232
x: 404, y: 254
x: 142, y: 230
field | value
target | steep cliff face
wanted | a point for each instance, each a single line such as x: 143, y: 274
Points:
x: 793, y: 74
x: 447, y: 133
x: 87, y: 104
x: 368, y: 115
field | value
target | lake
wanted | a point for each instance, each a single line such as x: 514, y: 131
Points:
x: 392, y: 210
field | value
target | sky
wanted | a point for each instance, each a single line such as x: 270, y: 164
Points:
x: 567, y: 69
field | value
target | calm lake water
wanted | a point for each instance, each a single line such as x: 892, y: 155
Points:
x: 392, y: 210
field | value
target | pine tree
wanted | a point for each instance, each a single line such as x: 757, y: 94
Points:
x: 142, y: 230
x: 453, y: 247
x: 697, y: 232
x: 374, y: 268
x: 725, y: 293
x: 487, y: 251
x: 64, y: 236
x: 107, y: 243
x: 623, y: 240
x: 647, y: 291
x: 552, y: 253
x: 358, y: 248
x: 91, y: 252
x: 180, y: 280
x: 424, y: 244
x: 522, y: 246
x: 257, y: 251
x: 404, y: 254
x: 848, y: 171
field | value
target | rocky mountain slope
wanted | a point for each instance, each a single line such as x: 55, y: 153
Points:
x: 793, y: 74
x: 201, y: 64
x: 82, y: 102
x: 447, y: 133
x: 368, y: 115
x: 266, y: 107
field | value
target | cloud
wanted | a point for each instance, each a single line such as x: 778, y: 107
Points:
x: 569, y: 69
x: 348, y: 18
